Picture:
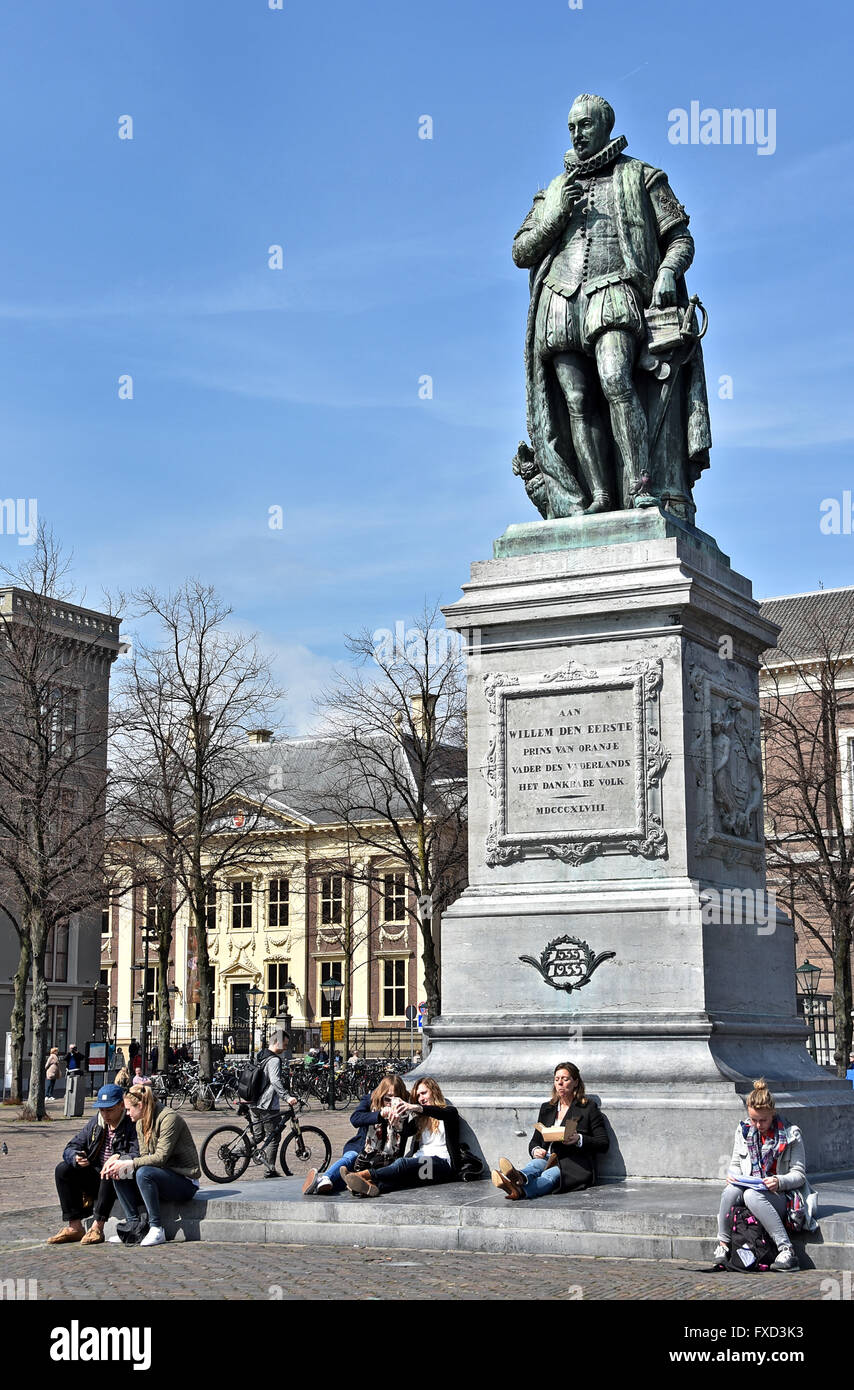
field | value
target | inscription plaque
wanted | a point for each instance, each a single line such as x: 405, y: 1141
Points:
x: 570, y: 766
x: 575, y: 762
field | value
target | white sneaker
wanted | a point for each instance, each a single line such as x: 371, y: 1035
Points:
x: 786, y: 1260
x: 721, y: 1253
x: 114, y: 1240
x: 156, y: 1236
x: 323, y: 1185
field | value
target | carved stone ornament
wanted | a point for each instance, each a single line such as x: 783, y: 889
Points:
x: 567, y: 963
x: 726, y: 754
x: 574, y: 764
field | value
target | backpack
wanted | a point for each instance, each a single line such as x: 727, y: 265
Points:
x: 751, y: 1248
x: 253, y: 1078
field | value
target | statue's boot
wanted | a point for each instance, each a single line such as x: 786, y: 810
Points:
x: 628, y: 422
x: 591, y: 448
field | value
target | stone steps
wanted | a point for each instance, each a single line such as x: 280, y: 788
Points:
x: 628, y: 1221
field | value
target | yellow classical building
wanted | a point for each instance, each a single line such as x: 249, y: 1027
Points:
x: 311, y: 900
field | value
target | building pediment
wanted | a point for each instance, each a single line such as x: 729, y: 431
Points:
x: 242, y: 964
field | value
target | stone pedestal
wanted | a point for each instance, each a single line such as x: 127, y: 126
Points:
x: 616, y: 914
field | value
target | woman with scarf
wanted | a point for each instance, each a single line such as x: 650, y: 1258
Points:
x: 430, y: 1144
x: 376, y: 1143
x: 768, y: 1155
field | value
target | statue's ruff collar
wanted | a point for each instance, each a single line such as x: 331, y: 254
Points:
x: 582, y: 167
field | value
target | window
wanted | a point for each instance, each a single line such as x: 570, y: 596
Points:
x: 57, y: 1027
x: 278, y: 973
x: 150, y: 913
x: 394, y: 988
x: 241, y: 903
x: 56, y: 953
x: 394, y: 897
x: 210, y: 908
x: 331, y: 900
x: 330, y: 969
x: 152, y: 990
x: 60, y: 714
x: 279, y: 902
x: 105, y: 920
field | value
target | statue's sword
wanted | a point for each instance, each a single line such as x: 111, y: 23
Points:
x: 690, y: 339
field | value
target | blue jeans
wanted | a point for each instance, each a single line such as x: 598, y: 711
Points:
x: 333, y: 1172
x: 412, y: 1171
x: 539, y: 1181
x: 153, y: 1184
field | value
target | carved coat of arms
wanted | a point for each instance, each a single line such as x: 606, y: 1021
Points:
x: 567, y: 963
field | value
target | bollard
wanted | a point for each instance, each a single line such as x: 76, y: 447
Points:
x: 75, y: 1093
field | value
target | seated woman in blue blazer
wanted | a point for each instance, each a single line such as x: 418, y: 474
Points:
x: 566, y: 1164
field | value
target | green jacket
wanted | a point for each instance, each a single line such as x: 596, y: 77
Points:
x: 170, y: 1145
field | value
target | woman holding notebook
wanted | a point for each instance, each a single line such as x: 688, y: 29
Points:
x: 767, y: 1173
x: 569, y: 1133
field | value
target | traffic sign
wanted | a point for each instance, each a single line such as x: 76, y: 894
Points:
x: 411, y: 1013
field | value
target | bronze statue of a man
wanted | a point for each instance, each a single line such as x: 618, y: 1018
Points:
x: 617, y: 408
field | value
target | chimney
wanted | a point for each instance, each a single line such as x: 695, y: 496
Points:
x: 260, y: 735
x: 424, y: 714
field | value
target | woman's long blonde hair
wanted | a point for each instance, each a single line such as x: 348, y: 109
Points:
x: 389, y: 1086
x: 145, y: 1097
x: 428, y: 1121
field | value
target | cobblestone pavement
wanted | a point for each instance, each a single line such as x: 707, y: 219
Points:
x: 210, y: 1270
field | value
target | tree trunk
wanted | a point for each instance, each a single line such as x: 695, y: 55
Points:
x: 164, y: 1022
x: 431, y: 976
x: 842, y: 990
x: 204, y: 973
x: 18, y: 1021
x: 35, y: 1106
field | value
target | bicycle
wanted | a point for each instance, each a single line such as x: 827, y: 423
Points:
x: 228, y: 1151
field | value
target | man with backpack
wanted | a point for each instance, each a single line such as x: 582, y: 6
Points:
x: 262, y: 1087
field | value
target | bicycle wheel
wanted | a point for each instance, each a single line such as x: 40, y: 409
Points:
x: 230, y: 1096
x: 177, y: 1099
x: 225, y: 1155
x: 203, y: 1098
x: 308, y: 1149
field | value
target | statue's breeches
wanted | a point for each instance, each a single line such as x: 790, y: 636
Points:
x: 573, y: 324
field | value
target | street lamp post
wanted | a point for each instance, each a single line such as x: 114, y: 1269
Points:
x: 148, y: 936
x: 809, y: 977
x: 254, y: 994
x: 289, y: 986
x: 332, y: 989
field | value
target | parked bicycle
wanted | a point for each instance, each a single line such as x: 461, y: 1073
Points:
x: 228, y: 1151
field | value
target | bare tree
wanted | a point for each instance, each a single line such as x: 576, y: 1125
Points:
x: 18, y: 1019
x: 53, y: 775
x: 186, y: 708
x: 809, y: 704
x: 396, y: 766
x: 353, y: 933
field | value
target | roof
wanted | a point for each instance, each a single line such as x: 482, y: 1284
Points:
x: 310, y: 780
x: 812, y: 625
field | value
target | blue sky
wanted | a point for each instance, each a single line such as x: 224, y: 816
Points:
x: 298, y: 387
